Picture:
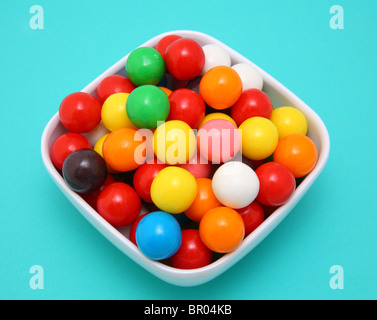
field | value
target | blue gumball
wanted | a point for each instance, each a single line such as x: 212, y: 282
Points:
x: 158, y: 235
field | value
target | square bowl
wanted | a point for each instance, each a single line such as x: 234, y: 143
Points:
x: 279, y: 95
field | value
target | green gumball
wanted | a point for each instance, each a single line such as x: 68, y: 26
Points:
x: 145, y: 65
x: 146, y: 105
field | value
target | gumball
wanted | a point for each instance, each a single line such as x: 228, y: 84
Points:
x: 124, y: 150
x: 96, y: 133
x: 277, y: 184
x: 99, y: 144
x: 188, y: 106
x: 198, y: 166
x: 173, y: 189
x: 222, y: 229
x: 147, y: 105
x: 166, y: 90
x: 113, y: 84
x: 235, y: 184
x: 259, y: 138
x: 194, y: 84
x: 174, y: 142
x: 165, y: 42
x: 158, y: 235
x: 252, y: 216
x: 119, y: 204
x: 113, y: 113
x: 252, y: 103
x: 250, y: 76
x: 218, y: 140
x: 145, y: 66
x: 205, y: 200
x: 91, y: 197
x: 215, y: 56
x: 298, y: 153
x: 84, y: 170
x: 64, y: 145
x: 134, y: 227
x: 220, y: 87
x: 184, y: 59
x: 192, y: 253
x: 143, y: 177
x: 217, y: 115
x: 289, y: 120
x: 80, y: 112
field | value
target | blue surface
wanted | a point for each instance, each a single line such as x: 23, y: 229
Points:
x: 333, y: 71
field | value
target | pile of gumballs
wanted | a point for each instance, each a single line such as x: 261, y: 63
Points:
x: 192, y: 138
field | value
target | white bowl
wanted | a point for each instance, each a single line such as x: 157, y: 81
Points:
x: 279, y: 95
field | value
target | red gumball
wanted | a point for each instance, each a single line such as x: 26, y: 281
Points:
x: 188, y: 106
x: 276, y: 184
x: 198, y: 166
x: 143, y: 179
x: 252, y: 103
x: 113, y: 84
x: 64, y: 145
x: 80, y: 112
x: 91, y: 197
x: 133, y: 228
x: 165, y: 42
x: 192, y: 253
x: 252, y: 216
x: 184, y: 59
x: 119, y: 204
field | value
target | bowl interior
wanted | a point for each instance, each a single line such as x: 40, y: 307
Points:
x: 279, y: 95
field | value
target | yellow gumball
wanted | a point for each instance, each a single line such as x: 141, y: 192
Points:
x: 259, y: 138
x: 113, y: 113
x: 174, y: 142
x: 217, y: 115
x: 173, y: 189
x: 289, y: 120
x: 98, y: 145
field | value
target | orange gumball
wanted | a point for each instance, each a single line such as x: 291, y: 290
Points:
x: 205, y: 200
x: 220, y: 87
x: 124, y: 149
x: 298, y: 153
x: 222, y: 229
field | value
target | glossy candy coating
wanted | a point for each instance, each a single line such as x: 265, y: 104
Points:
x: 174, y: 142
x: 124, y: 150
x: 84, y: 170
x: 188, y: 106
x: 145, y: 65
x: 250, y: 76
x: 184, y: 59
x: 146, y: 106
x: 252, y: 216
x: 192, y: 253
x: 289, y: 120
x: 215, y: 56
x: 113, y: 113
x: 277, y: 184
x: 205, y: 200
x: 113, y: 84
x: 220, y: 87
x: 259, y: 138
x: 165, y: 42
x: 252, y: 103
x: 158, y: 235
x: 173, y: 189
x: 298, y: 153
x: 64, y: 145
x: 80, y: 112
x: 119, y: 204
x: 235, y: 184
x: 222, y: 229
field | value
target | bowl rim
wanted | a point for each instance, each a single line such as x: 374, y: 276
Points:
x: 190, y: 277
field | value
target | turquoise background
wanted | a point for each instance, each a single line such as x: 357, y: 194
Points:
x: 333, y: 71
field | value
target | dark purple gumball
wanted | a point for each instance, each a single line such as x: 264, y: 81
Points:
x: 84, y: 170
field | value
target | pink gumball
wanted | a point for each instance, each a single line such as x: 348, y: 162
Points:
x: 218, y: 140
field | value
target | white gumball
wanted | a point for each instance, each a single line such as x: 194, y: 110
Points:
x: 250, y: 76
x: 215, y: 56
x: 235, y: 184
